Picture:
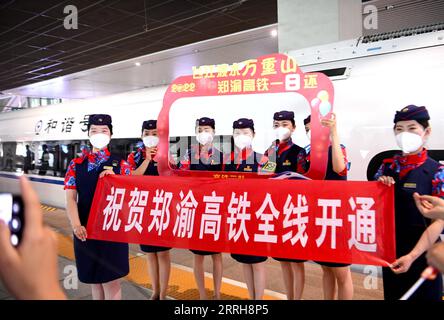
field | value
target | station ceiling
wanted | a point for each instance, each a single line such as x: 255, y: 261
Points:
x: 35, y: 46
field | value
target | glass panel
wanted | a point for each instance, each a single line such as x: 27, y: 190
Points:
x: 29, y: 159
x: 9, y: 155
x: 123, y: 147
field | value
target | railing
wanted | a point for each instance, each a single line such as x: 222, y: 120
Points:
x: 11, y: 102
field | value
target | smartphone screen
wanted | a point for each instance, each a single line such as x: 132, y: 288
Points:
x: 11, y: 212
x: 6, y: 207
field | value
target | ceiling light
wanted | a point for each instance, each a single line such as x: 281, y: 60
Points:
x: 274, y: 33
x: 138, y: 64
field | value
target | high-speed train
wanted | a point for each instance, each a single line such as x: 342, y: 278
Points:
x: 371, y: 80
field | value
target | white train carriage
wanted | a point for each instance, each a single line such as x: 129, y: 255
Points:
x: 372, y: 81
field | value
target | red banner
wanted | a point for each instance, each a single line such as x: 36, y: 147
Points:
x: 332, y: 221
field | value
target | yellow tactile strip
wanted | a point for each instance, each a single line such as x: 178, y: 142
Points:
x: 47, y: 208
x: 182, y: 285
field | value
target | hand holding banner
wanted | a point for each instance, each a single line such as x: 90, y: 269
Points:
x: 332, y: 221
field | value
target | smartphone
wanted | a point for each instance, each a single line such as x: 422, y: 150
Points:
x: 12, y: 213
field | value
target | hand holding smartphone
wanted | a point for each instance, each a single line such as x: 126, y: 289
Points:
x: 28, y: 264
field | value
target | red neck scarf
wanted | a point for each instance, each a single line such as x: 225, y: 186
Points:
x: 409, y: 162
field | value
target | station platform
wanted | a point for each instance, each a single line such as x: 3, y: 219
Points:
x: 137, y: 285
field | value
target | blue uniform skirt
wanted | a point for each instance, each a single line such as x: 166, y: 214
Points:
x: 152, y: 249
x: 242, y: 258
x: 203, y: 253
x: 100, y: 261
x: 289, y: 260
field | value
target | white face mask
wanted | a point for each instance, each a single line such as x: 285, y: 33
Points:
x: 99, y: 140
x: 243, y: 141
x: 204, y: 138
x: 309, y: 135
x: 409, y: 142
x: 150, y: 141
x: 282, y: 133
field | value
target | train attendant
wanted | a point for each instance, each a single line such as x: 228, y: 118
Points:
x: 99, y: 263
x: 245, y: 159
x: 142, y: 163
x: 337, y: 167
x: 412, y: 171
x: 285, y: 153
x: 204, y: 156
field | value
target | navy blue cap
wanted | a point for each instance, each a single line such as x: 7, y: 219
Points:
x: 243, y: 123
x: 100, y: 120
x: 412, y: 112
x: 205, y: 121
x: 149, y: 125
x: 307, y: 120
x: 283, y: 115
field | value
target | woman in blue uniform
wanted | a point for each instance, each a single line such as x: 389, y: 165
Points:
x: 285, y: 153
x: 412, y: 171
x: 204, y: 156
x: 245, y: 159
x: 99, y: 263
x: 142, y: 163
x: 337, y: 167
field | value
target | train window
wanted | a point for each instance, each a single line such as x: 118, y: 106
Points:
x: 33, y: 102
x: 49, y: 158
x: 180, y: 145
x: 438, y: 155
x: 176, y: 146
x: 52, y: 158
x: 12, y: 157
x: 123, y: 147
x: 9, y: 156
x: 43, y: 159
x: 336, y: 73
x: 223, y: 143
x: 21, y: 149
x: 376, y: 161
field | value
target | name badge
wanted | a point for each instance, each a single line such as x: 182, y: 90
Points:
x: 248, y: 168
x: 409, y: 185
x: 107, y: 168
